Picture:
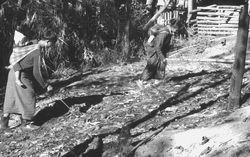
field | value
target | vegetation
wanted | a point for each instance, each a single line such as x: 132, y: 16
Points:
x: 90, y: 32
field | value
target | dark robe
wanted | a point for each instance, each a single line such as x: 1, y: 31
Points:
x: 157, y: 51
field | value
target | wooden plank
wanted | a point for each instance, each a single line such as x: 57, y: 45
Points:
x: 203, y: 22
x: 217, y: 33
x: 218, y: 29
x: 208, y: 7
x: 218, y: 22
x: 214, y: 19
x: 194, y: 11
x: 212, y: 5
x: 217, y: 26
x: 215, y: 13
x: 193, y: 21
x: 215, y: 22
x: 221, y: 7
x: 217, y: 9
x: 211, y: 60
x: 218, y: 14
x: 230, y: 6
x: 215, y: 30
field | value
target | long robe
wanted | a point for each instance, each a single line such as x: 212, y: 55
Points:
x: 21, y: 100
x: 157, y: 52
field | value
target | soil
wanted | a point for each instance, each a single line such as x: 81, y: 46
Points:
x: 182, y: 115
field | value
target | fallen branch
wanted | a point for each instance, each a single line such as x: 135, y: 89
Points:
x: 145, y: 140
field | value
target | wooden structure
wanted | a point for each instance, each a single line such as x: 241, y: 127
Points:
x: 217, y: 19
x: 168, y: 15
x: 165, y: 13
x: 205, y: 20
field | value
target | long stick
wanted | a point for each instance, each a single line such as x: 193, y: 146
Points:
x: 225, y: 61
x: 152, y: 20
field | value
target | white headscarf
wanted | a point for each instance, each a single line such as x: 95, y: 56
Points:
x: 18, y: 38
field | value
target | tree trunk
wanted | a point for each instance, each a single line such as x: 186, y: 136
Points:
x: 126, y: 41
x: 6, y: 42
x: 5, y: 51
x: 240, y: 56
x: 124, y: 26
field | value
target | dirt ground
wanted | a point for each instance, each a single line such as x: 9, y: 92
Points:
x: 182, y: 115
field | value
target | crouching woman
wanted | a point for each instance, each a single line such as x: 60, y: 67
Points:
x: 157, y: 47
x: 25, y: 75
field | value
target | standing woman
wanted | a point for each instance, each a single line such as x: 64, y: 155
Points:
x: 24, y: 77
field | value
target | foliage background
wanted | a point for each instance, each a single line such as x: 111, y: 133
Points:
x: 87, y: 30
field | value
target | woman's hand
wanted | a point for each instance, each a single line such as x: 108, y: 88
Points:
x: 44, y: 43
x: 49, y: 88
x: 19, y: 83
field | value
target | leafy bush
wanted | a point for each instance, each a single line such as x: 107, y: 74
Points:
x: 81, y: 26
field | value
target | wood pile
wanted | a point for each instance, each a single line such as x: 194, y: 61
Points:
x: 217, y: 19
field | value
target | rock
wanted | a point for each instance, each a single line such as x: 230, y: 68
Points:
x: 223, y: 42
x: 95, y: 148
x: 206, y: 151
x: 156, y: 148
x: 204, y: 140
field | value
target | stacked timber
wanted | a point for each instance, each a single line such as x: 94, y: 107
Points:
x: 217, y: 19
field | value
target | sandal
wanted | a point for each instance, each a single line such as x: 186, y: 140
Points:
x: 4, y: 122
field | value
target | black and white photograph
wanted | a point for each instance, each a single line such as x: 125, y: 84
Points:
x: 124, y: 78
